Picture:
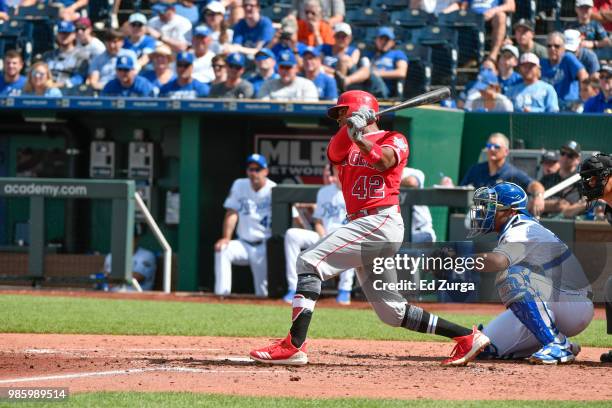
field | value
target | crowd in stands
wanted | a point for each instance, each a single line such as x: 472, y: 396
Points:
x: 230, y: 49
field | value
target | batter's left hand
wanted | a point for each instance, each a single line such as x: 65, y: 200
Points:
x: 355, y: 124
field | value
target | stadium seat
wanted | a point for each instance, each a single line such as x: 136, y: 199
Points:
x: 15, y: 34
x: 389, y: 5
x: 277, y: 12
x: 411, y: 18
x: 470, y: 28
x: 525, y: 9
x: 406, y: 35
x: 443, y: 43
x: 355, y: 4
x: 100, y: 11
x: 418, y: 79
x: 364, y: 37
x: 39, y: 11
x: 367, y: 17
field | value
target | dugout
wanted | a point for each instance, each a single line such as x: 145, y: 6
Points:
x: 200, y: 147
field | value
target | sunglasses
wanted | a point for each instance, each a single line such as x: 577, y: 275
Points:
x: 122, y: 69
x: 569, y: 154
x: 254, y: 169
x: 39, y: 74
x: 493, y: 146
x: 183, y: 65
x: 137, y: 25
x: 555, y: 46
x: 81, y: 28
x: 250, y: 6
x: 219, y: 66
x: 236, y: 67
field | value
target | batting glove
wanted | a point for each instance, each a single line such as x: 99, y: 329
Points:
x: 368, y: 114
x: 356, y: 123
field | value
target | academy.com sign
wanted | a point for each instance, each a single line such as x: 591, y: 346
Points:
x: 33, y: 189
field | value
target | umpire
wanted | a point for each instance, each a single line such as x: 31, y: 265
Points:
x: 597, y: 184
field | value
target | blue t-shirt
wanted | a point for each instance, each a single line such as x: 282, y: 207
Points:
x: 598, y: 104
x: 140, y: 87
x: 480, y: 6
x: 563, y: 76
x: 478, y: 176
x: 329, y: 59
x: 280, y: 47
x: 105, y: 64
x: 146, y: 45
x: 512, y: 80
x: 249, y: 37
x: 3, y: 6
x: 388, y: 62
x: 152, y: 78
x: 190, y: 13
x: 11, y: 88
x: 49, y: 93
x: 257, y: 81
x: 326, y: 85
x: 192, y: 90
x: 537, y: 97
x: 589, y: 59
x: 592, y: 31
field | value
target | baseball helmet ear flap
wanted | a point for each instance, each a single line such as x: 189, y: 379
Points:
x: 353, y: 100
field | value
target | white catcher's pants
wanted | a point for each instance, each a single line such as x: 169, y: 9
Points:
x: 238, y: 252
x: 298, y: 239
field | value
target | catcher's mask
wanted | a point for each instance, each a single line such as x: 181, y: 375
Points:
x: 488, y: 200
x: 595, y: 172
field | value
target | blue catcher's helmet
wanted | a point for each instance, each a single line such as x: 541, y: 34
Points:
x: 487, y: 200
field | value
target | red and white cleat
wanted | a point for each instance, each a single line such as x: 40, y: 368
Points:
x: 281, y: 352
x: 467, y: 348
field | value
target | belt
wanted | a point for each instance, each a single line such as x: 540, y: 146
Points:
x: 253, y: 243
x: 370, y: 211
x: 558, y: 260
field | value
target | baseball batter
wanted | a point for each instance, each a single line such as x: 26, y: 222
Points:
x: 329, y: 215
x: 370, y: 164
x: 539, y: 280
x: 249, y: 205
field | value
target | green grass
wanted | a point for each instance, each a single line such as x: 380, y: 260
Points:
x: 40, y: 314
x: 134, y: 399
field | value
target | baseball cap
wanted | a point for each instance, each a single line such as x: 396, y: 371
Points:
x: 529, y: 58
x: 215, y: 7
x: 263, y: 54
x: 138, y: 18
x: 486, y: 77
x: 235, y: 59
x: 125, y: 62
x: 606, y: 68
x: 572, y: 40
x: 257, y: 159
x: 572, y: 146
x: 312, y: 50
x: 523, y: 22
x: 202, y: 31
x: 185, y: 56
x: 160, y: 8
x: 550, y: 156
x: 83, y: 22
x: 343, y: 28
x: 385, y: 32
x: 511, y: 49
x: 65, y: 27
x: 286, y: 59
x: 581, y: 3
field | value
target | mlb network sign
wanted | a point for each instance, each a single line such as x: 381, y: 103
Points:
x: 294, y: 159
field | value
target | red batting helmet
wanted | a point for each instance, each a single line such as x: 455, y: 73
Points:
x: 353, y: 100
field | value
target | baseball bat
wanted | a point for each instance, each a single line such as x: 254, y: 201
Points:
x: 427, y: 98
x: 562, y: 185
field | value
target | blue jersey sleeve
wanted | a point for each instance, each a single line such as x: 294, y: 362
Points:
x: 239, y: 28
x: 573, y: 64
x: 268, y: 30
x: 552, y: 101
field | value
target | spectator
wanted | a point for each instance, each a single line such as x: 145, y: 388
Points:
x: 388, y: 63
x: 422, y: 224
x: 234, y: 87
x: 343, y: 60
x: 497, y: 169
x: 434, y: 6
x: 586, y: 57
x: 222, y: 35
x: 549, y: 162
x: 254, y: 31
x: 569, y: 198
x: 523, y: 35
x: 562, y: 70
x: 332, y: 11
x: 68, y: 64
x: 220, y: 69
x: 4, y: 11
x: 127, y: 83
x: 507, y: 61
x: 313, y: 70
x: 144, y: 264
x: 312, y: 29
x: 490, y: 100
x: 588, y: 89
x: 602, y: 103
x: 265, y: 63
x: 68, y: 12
x: 289, y: 87
x: 102, y: 67
x: 470, y: 93
x: 495, y: 12
x: 533, y: 95
x: 287, y: 39
x: 86, y: 41
x: 249, y: 207
x: 594, y: 35
x: 602, y: 12
x: 11, y: 81
x: 168, y: 27
x: 162, y: 72
x: 40, y: 82
x: 202, y: 65
x: 184, y: 86
x: 137, y: 40
x: 188, y: 9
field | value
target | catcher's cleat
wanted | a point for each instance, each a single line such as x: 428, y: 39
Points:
x: 467, y: 348
x: 554, y: 353
x: 281, y: 352
x: 606, y: 357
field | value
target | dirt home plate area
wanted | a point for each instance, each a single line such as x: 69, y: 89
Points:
x: 337, y: 369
